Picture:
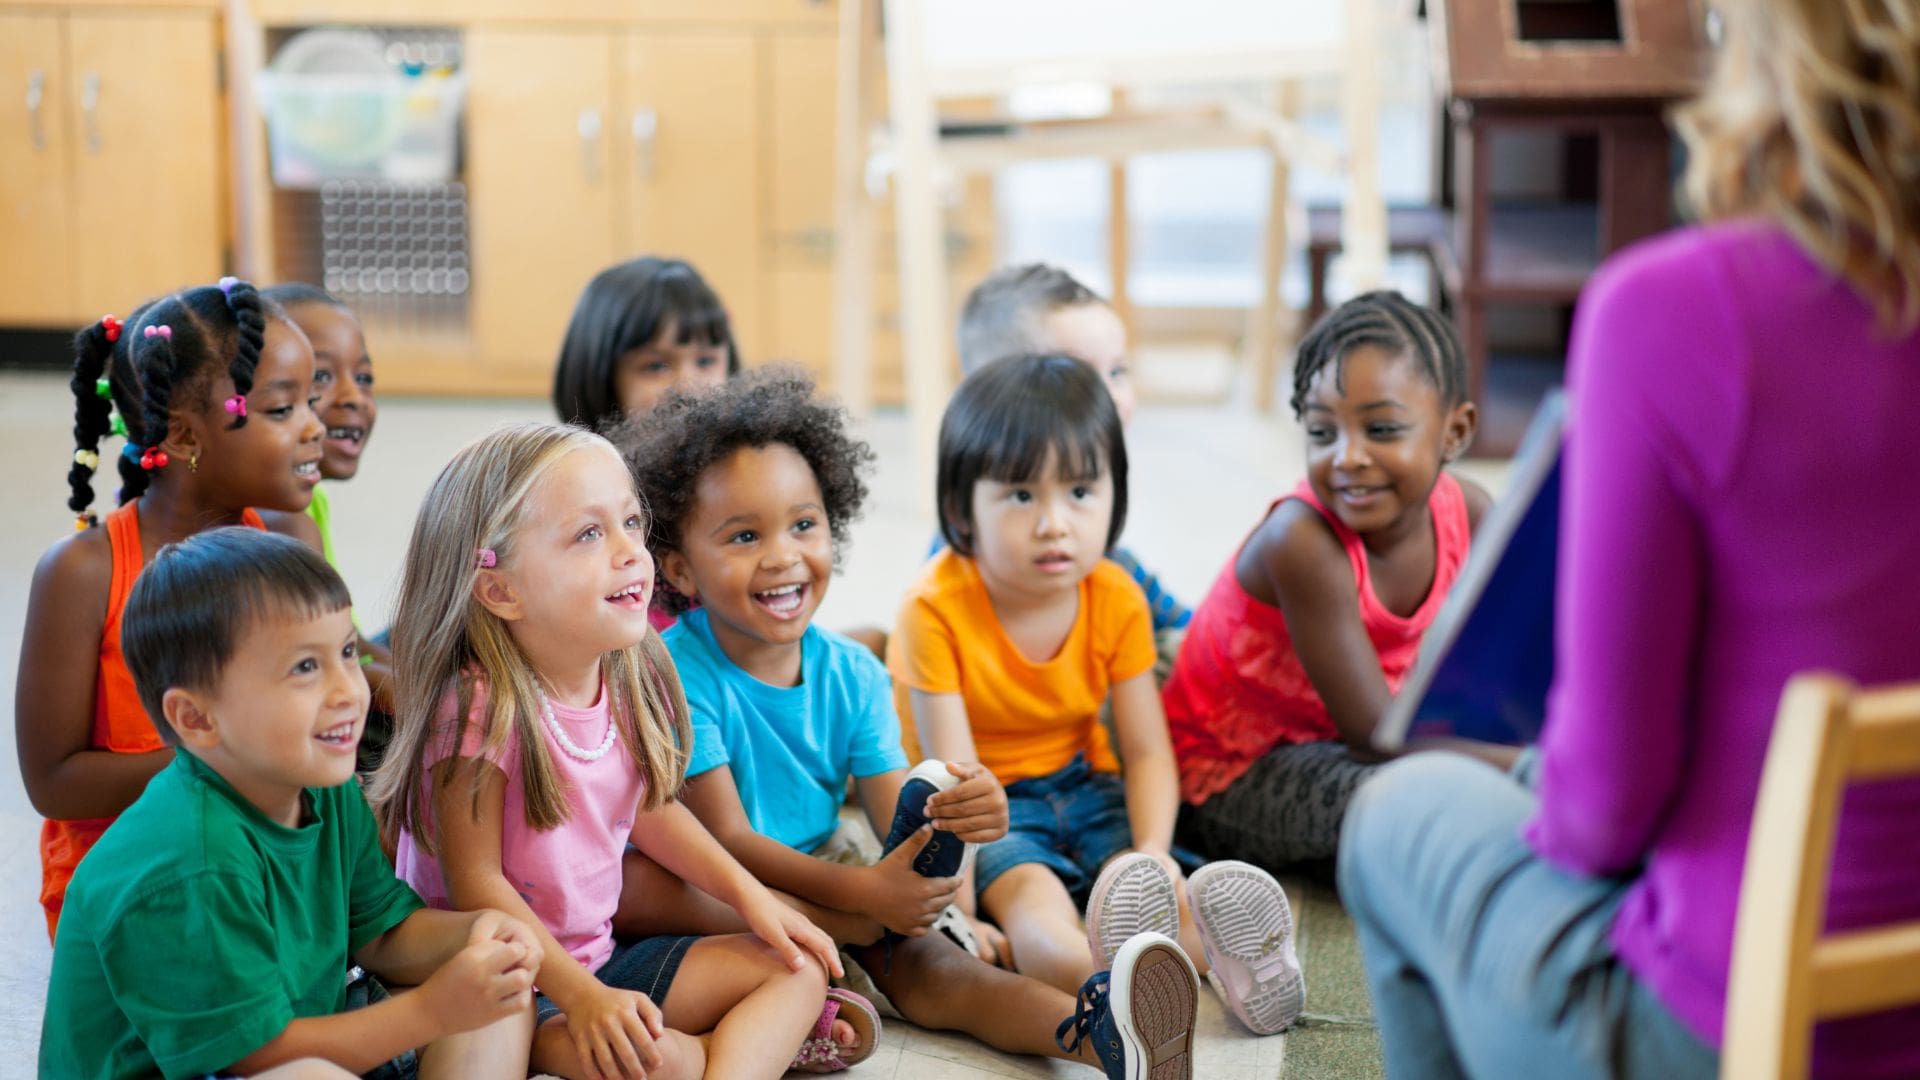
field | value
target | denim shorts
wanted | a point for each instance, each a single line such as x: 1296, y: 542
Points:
x: 1071, y: 821
x: 647, y: 965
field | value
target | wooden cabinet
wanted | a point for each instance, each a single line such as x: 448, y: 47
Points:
x: 600, y: 131
x: 585, y: 148
x: 542, y: 189
x: 114, y: 184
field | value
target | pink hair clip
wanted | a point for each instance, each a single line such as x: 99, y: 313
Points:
x: 237, y: 405
x: 227, y: 284
x: 485, y: 559
x: 161, y: 331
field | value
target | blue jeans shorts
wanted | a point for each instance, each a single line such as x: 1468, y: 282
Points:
x: 647, y: 965
x: 1071, y: 821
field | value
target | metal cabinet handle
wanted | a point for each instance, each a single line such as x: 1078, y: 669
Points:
x: 646, y: 126
x: 588, y: 125
x: 90, y: 106
x: 36, y: 96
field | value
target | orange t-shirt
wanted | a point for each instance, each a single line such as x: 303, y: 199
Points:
x: 1028, y: 718
x: 120, y: 722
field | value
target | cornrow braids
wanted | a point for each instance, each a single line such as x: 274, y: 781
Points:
x: 92, y: 412
x: 1389, y: 321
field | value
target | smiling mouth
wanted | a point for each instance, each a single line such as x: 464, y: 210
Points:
x: 634, y: 595
x: 784, y: 602
x: 341, y: 735
x: 308, y: 470
x: 352, y: 436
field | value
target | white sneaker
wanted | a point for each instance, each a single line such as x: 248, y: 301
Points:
x: 1246, y: 928
x: 1133, y: 895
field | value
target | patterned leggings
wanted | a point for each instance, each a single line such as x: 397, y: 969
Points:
x: 1285, y: 809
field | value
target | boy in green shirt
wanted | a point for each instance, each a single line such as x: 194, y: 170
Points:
x: 210, y: 930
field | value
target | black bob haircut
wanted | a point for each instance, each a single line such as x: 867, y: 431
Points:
x: 195, y: 601
x: 1391, y: 322
x: 1005, y: 420
x: 670, y: 447
x: 622, y: 309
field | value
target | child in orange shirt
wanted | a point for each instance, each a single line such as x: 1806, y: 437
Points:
x: 1007, y: 647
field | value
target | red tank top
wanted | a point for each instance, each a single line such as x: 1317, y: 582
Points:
x: 1238, y: 689
x: 120, y: 722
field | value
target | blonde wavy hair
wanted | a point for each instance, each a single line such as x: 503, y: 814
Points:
x: 1812, y: 120
x: 446, y: 643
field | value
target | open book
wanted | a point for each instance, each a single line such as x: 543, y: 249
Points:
x: 1487, y: 660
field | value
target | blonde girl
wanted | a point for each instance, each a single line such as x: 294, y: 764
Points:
x: 538, y: 733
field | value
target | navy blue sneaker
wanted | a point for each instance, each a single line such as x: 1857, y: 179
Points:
x: 944, y: 854
x: 1138, y: 1017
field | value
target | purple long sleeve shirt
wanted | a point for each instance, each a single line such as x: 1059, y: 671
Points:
x: 1742, y: 503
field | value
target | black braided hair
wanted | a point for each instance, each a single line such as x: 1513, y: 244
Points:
x: 147, y: 367
x: 1391, y: 322
x: 249, y: 312
x: 92, y: 413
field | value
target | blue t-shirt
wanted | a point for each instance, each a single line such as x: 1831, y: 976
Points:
x: 791, y: 749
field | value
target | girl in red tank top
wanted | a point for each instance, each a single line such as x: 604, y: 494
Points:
x: 210, y: 389
x: 1312, y: 626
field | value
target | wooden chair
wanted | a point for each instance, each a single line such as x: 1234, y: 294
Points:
x: 1786, y: 974
x: 1255, y: 83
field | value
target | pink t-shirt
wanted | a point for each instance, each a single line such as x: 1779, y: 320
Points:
x: 570, y: 875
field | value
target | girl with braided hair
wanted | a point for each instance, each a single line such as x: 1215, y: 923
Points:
x: 210, y: 389
x: 1313, y: 624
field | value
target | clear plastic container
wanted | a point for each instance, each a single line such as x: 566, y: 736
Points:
x: 362, y: 126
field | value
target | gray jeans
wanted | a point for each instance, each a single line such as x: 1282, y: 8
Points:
x: 1483, y: 959
x: 1285, y: 809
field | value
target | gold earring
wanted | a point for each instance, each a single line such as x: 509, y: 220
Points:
x: 193, y: 463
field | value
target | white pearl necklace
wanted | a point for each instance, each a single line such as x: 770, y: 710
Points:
x: 572, y: 748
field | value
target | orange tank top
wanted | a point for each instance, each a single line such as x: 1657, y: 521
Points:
x: 120, y: 722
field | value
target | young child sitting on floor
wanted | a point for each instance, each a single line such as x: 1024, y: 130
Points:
x: 1040, y: 309
x: 209, y: 388
x: 1311, y: 627
x: 211, y: 928
x: 754, y: 488
x: 1006, y: 649
x: 343, y: 400
x: 540, y: 730
x: 640, y: 329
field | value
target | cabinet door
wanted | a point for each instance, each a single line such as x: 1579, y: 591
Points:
x: 541, y: 189
x: 36, y: 259
x: 691, y: 132
x: 149, y: 153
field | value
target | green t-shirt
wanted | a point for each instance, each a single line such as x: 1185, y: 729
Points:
x: 198, y: 928
x: 320, y: 510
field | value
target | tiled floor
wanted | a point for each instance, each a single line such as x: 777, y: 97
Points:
x: 1202, y: 475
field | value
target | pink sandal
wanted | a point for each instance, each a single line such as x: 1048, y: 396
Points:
x: 820, y: 1054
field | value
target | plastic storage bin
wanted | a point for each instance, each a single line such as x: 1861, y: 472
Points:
x: 336, y: 110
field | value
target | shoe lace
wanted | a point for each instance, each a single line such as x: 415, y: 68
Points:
x: 1089, y: 1008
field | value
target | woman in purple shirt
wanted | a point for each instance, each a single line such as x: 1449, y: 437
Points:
x: 1742, y: 503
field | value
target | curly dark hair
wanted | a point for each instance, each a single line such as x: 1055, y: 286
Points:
x: 688, y: 434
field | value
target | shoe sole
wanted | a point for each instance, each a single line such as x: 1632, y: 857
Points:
x: 1133, y: 895
x: 1247, y: 928
x: 1155, y: 998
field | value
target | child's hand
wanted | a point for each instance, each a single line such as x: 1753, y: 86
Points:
x: 790, y: 933
x: 490, y: 925
x: 487, y: 980
x: 905, y: 902
x: 975, y: 809
x: 613, y: 1032
x: 993, y: 946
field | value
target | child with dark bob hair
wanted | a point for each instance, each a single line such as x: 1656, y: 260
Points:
x: 1006, y: 649
x: 640, y: 329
